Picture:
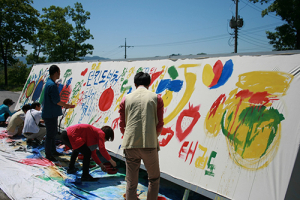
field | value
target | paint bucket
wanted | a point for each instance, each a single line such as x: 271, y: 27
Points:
x: 110, y: 169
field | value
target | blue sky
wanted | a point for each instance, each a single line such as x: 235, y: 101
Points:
x: 165, y: 27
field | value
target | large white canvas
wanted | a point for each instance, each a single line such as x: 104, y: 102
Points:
x: 209, y: 147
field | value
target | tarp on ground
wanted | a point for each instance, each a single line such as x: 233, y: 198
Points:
x: 231, y: 122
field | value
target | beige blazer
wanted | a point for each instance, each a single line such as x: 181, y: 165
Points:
x: 141, y: 120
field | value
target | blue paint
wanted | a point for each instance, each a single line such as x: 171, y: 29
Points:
x: 226, y: 74
x: 38, y: 90
x: 69, y: 82
x: 174, y: 85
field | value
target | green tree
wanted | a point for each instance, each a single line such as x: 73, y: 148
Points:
x: 56, y: 31
x: 286, y: 36
x: 80, y: 33
x: 18, y: 73
x: 18, y: 20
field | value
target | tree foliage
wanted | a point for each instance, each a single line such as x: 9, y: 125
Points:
x: 57, y: 39
x: 286, y: 36
x: 18, y: 20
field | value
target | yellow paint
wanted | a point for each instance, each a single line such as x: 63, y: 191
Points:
x: 131, y: 71
x: 106, y: 119
x: 98, y: 67
x: 276, y: 83
x: 201, y: 161
x: 164, y: 72
x: 118, y: 101
x: 93, y: 66
x: 167, y: 98
x: 208, y: 75
x: 190, y: 79
x: 70, y: 111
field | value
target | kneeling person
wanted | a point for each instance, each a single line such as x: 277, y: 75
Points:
x: 84, y: 139
x: 16, y: 122
x: 31, y: 129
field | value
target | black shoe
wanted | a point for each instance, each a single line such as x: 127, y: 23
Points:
x: 88, y: 178
x: 57, y: 154
x: 72, y: 170
x: 51, y: 158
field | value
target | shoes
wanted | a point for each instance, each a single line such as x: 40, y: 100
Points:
x: 72, y: 170
x: 88, y: 178
x: 51, y: 158
x: 3, y: 124
x: 33, y: 142
x: 56, y: 153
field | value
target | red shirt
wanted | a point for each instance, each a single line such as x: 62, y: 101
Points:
x: 80, y: 134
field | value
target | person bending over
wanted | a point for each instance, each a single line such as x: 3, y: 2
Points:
x: 84, y: 139
x: 5, y: 112
x: 16, y: 122
x: 31, y: 129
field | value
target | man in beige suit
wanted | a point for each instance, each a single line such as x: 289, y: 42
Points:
x: 141, y: 122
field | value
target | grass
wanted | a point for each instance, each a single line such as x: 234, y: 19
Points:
x: 12, y: 88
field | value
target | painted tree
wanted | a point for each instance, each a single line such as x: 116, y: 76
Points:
x: 287, y: 36
x: 18, y: 21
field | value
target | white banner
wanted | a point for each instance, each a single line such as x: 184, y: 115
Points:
x: 231, y: 123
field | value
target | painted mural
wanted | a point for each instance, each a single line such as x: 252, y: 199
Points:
x: 228, y: 121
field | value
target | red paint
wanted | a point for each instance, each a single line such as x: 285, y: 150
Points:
x: 191, y: 151
x: 106, y: 99
x: 33, y: 161
x: 217, y: 69
x: 169, y: 134
x: 115, y: 123
x: 221, y: 99
x: 65, y: 93
x: 155, y: 76
x: 84, y: 72
x: 84, y: 84
x: 260, y: 98
x: 190, y: 112
x: 182, y: 149
x: 243, y: 94
x: 96, y: 120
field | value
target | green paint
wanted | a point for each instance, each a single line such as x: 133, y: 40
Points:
x: 92, y: 119
x: 76, y: 89
x: 125, y: 88
x: 211, y: 167
x: 253, y: 117
x: 173, y: 72
x: 123, y: 74
x: 139, y: 70
x: 67, y: 74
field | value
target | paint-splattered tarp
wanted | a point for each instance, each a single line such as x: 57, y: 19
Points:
x: 25, y: 174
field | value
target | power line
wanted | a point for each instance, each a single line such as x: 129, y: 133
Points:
x: 125, y: 48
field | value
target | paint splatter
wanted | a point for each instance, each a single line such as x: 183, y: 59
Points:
x: 106, y: 99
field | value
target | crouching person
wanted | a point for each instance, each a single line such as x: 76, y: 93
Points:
x: 31, y: 129
x: 84, y: 139
x: 16, y: 122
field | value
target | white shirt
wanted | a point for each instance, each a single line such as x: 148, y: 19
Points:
x: 32, y: 119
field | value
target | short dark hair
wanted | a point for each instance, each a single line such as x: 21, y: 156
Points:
x: 109, y: 133
x: 34, y: 105
x: 142, y: 78
x: 53, y: 69
x: 26, y: 107
x: 8, y: 102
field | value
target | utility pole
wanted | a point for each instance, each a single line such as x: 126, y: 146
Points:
x: 236, y: 23
x: 125, y: 47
